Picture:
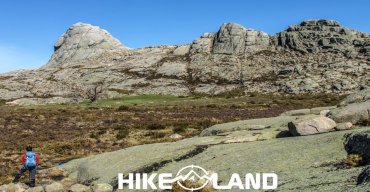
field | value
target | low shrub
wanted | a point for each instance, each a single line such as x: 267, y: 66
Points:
x: 364, y: 122
x: 155, y: 134
x: 155, y: 126
x: 122, y: 133
x: 354, y: 160
x: 180, y: 128
x: 123, y: 108
x: 204, y: 124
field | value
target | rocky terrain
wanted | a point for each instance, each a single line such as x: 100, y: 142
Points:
x: 80, y: 130
x: 296, y: 104
x: 315, y: 56
x: 313, y: 149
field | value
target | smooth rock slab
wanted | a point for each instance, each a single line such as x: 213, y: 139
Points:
x: 182, y: 50
x: 297, y: 112
x: 311, y: 125
x: 249, y: 125
x: 131, y: 159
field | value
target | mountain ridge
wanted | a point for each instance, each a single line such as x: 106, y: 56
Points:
x: 314, y: 56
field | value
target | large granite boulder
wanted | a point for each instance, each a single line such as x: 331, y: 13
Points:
x: 203, y: 44
x: 18, y: 187
x: 80, y: 42
x: 55, y: 187
x: 358, y: 143
x: 233, y: 38
x: 311, y: 125
x: 79, y: 188
x: 353, y: 113
x: 313, y: 36
x: 35, y: 189
x: 357, y: 97
x: 102, y: 187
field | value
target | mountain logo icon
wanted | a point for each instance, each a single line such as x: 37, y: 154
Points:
x: 194, y: 174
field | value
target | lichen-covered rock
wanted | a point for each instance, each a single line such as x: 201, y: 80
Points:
x: 36, y: 189
x: 311, y: 125
x: 55, y: 187
x: 68, y: 181
x: 79, y: 188
x: 358, y: 143
x: 247, y: 125
x: 344, y: 126
x: 102, y: 187
x: 18, y: 187
x: 357, y: 97
x: 54, y: 172
x: 351, y: 113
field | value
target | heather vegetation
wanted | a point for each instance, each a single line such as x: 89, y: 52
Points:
x: 64, y: 132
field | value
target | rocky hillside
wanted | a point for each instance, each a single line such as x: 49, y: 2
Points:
x: 315, y: 56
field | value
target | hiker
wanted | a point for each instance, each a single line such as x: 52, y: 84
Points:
x: 30, y: 160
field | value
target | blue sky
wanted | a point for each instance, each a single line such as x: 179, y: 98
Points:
x: 30, y: 28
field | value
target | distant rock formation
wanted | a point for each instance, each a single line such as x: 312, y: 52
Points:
x: 315, y: 56
x: 235, y: 39
x: 231, y: 39
x: 80, y: 42
x: 315, y: 36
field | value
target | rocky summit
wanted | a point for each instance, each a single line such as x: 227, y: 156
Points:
x: 82, y: 41
x: 315, y: 56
